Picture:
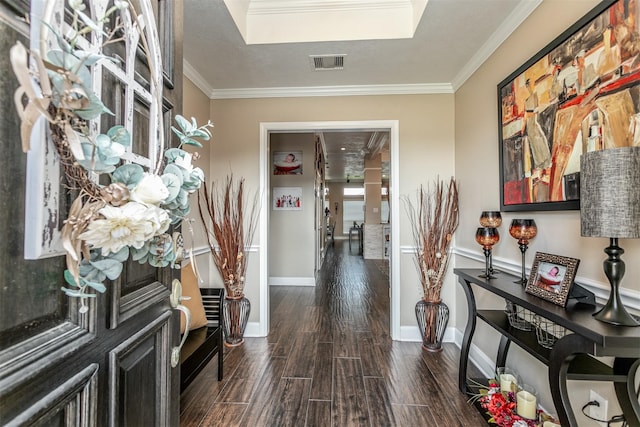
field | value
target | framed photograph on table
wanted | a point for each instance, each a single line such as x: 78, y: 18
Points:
x: 578, y: 94
x: 551, y: 277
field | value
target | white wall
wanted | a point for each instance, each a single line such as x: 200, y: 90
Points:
x: 477, y: 171
x: 292, y: 233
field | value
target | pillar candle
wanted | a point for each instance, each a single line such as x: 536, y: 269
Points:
x: 506, y: 380
x: 526, y: 405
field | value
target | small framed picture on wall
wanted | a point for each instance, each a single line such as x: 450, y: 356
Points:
x: 287, y: 198
x: 287, y: 162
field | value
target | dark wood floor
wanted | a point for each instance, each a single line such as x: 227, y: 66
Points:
x: 329, y: 361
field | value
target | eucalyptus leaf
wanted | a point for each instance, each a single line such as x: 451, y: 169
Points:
x: 99, y: 287
x: 199, y: 133
x: 74, y: 293
x: 120, y: 135
x: 68, y: 277
x: 89, y: 273
x: 173, y: 184
x: 129, y: 175
x: 103, y: 141
x: 62, y: 42
x: 178, y: 171
x: 190, y: 141
x: 93, y: 163
x: 121, y: 255
x: 109, y: 267
x: 173, y: 153
x: 183, y: 123
x: 139, y: 254
x: 96, y: 107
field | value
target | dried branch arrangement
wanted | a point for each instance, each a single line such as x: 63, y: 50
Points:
x: 229, y: 231
x: 434, y: 219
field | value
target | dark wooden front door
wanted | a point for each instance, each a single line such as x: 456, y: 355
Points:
x: 111, y: 365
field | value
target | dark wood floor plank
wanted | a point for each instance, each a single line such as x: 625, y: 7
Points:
x: 302, y: 359
x: 286, y: 405
x: 329, y: 361
x: 379, y: 403
x: 224, y: 414
x: 319, y: 413
x: 349, y: 406
x: 416, y: 415
x: 262, y: 402
x: 323, y: 372
x: 240, y: 387
x: 373, y: 355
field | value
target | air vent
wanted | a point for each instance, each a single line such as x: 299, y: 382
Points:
x: 327, y: 62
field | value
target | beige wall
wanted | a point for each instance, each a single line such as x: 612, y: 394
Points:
x: 291, y: 233
x: 425, y: 151
x: 477, y: 171
x: 196, y: 104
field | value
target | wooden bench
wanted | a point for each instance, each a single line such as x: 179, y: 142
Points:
x: 204, y: 343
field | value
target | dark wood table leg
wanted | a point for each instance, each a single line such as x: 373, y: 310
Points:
x: 625, y: 391
x: 468, y: 335
x: 563, y: 352
x: 503, y: 349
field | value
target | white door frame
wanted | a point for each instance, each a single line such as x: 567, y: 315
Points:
x: 265, y: 167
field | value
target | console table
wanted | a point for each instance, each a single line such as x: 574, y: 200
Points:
x: 573, y: 357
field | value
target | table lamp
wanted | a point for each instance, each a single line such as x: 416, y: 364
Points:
x: 610, y: 207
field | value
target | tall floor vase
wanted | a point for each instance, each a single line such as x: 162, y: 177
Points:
x: 432, y: 318
x: 236, y: 314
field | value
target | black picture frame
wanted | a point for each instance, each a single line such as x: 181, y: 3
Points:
x: 551, y: 277
x: 558, y: 104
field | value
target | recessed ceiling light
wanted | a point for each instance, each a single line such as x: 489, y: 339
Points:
x: 342, y: 148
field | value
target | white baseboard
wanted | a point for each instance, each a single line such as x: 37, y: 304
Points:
x: 412, y: 334
x: 253, y: 330
x: 477, y: 356
x: 292, y: 281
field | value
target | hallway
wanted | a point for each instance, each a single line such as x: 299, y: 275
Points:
x: 329, y: 361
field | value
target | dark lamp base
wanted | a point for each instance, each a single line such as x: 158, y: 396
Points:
x: 614, y: 311
x: 616, y: 314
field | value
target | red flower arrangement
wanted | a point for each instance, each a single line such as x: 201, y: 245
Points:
x: 501, y: 406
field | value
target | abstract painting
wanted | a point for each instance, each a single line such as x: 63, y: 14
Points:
x: 580, y: 93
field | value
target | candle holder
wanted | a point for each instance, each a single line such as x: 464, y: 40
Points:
x: 491, y: 219
x: 523, y: 230
x: 487, y: 237
x: 527, y: 402
x: 508, y: 379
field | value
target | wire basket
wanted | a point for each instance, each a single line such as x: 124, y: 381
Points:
x: 547, y: 332
x: 519, y: 317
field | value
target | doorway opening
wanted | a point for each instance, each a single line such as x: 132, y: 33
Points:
x: 391, y: 127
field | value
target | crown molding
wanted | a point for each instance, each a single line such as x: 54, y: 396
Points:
x: 197, y: 79
x: 510, y: 24
x: 353, y: 90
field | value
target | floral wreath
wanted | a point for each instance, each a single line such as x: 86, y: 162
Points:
x: 130, y: 216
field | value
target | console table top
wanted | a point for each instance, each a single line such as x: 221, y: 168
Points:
x: 576, y: 316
